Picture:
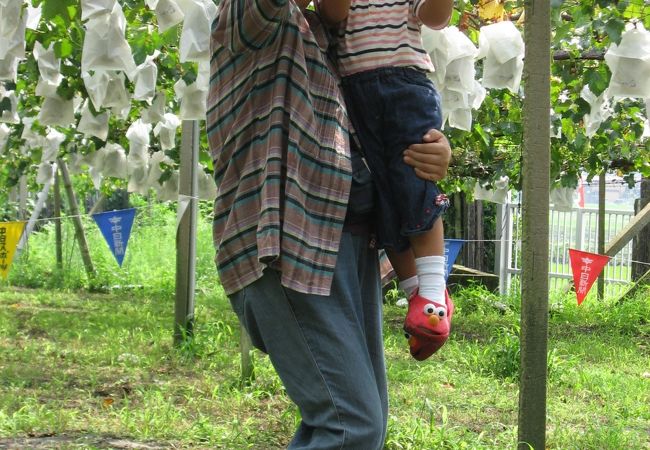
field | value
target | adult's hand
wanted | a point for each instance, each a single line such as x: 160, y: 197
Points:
x: 431, y: 158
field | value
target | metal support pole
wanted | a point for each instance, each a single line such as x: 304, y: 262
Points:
x: 580, y: 228
x: 36, y: 213
x: 503, y: 251
x: 499, y: 263
x: 57, y: 221
x: 186, y: 232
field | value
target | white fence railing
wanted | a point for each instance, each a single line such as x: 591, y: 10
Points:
x: 578, y: 229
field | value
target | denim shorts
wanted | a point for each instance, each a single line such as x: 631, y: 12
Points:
x: 392, y: 108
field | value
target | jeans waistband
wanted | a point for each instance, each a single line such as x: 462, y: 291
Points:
x: 383, y: 72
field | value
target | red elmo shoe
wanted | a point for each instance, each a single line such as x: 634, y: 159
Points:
x: 427, y: 325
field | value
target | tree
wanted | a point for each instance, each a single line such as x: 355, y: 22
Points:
x: 534, y: 280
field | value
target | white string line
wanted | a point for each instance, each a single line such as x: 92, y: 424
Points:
x: 71, y: 216
x: 640, y: 262
x: 197, y: 198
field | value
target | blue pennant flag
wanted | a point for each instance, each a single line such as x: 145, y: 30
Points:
x: 116, y: 228
x: 452, y: 249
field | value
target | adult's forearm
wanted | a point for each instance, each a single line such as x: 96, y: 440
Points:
x: 436, y: 13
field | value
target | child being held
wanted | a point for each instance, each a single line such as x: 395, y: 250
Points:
x: 392, y: 103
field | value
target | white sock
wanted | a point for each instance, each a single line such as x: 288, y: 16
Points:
x: 409, y: 285
x: 431, y: 277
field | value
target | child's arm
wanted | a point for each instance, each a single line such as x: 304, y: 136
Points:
x: 434, y: 13
x: 333, y: 11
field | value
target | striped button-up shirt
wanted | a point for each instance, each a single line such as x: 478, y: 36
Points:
x: 279, y: 139
x: 382, y: 34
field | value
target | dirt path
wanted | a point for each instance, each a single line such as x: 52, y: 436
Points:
x: 80, y: 442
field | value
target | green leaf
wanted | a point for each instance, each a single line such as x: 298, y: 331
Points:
x: 597, y: 81
x: 54, y: 8
x: 614, y: 28
x: 62, y: 48
x: 481, y: 132
x: 205, y: 159
x: 635, y: 10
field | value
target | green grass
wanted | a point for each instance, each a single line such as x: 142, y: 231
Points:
x: 81, y: 364
x: 83, y: 367
x: 149, y: 264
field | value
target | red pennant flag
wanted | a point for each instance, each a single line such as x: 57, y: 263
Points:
x: 586, y: 267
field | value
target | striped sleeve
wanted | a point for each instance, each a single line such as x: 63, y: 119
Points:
x: 417, y: 5
x: 248, y: 24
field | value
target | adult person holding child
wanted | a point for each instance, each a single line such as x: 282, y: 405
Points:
x: 293, y: 215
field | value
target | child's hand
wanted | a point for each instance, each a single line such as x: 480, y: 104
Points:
x: 431, y: 158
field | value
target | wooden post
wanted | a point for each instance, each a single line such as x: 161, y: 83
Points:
x: 479, y: 236
x: 468, y: 223
x: 76, y: 220
x: 186, y: 232
x: 458, y: 216
x: 641, y: 246
x: 634, y: 227
x: 535, y: 220
x: 602, y: 193
x: 57, y: 221
x: 643, y: 280
x: 22, y: 199
x: 475, y: 250
x: 13, y: 195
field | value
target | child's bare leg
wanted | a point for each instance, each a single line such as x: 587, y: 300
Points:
x: 404, y: 265
x: 431, y: 243
x: 429, y: 250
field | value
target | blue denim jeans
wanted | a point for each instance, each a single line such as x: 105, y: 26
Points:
x: 392, y: 108
x: 328, y: 351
